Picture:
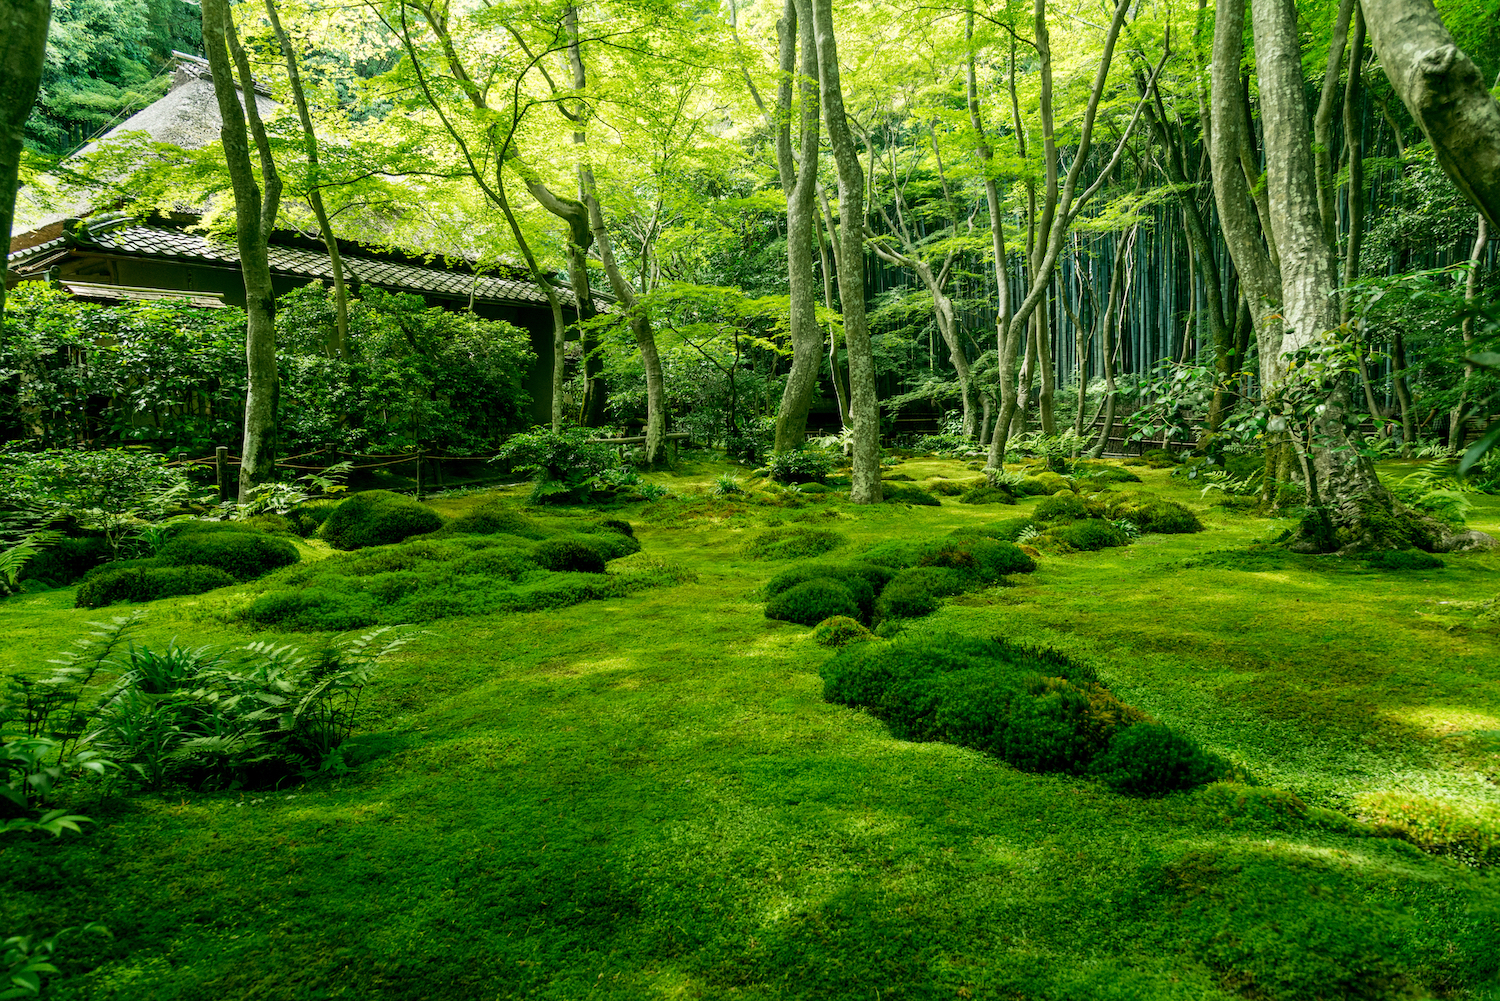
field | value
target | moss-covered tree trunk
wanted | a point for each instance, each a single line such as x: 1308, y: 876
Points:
x: 23, y: 49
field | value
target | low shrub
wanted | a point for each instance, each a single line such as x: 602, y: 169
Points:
x: 947, y: 488
x: 1153, y: 759
x: 799, y: 466
x: 900, y: 493
x: 793, y: 543
x: 840, y: 631
x: 919, y: 591
x: 66, y: 560
x: 1165, y: 518
x: 377, y: 518
x: 148, y: 583
x: 245, y: 555
x: 567, y: 555
x: 813, y: 601
x: 986, y: 495
x: 1088, y: 535
x: 1397, y: 560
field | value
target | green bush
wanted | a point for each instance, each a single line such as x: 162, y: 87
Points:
x: 1403, y: 559
x: 900, y: 493
x: 66, y: 560
x: 1089, y: 535
x: 793, y: 543
x: 813, y: 601
x: 1165, y: 518
x: 949, y: 488
x: 1153, y: 759
x: 840, y: 631
x: 567, y: 555
x: 147, y: 583
x: 378, y: 518
x: 986, y: 495
x: 245, y: 555
x: 919, y: 591
x: 799, y: 466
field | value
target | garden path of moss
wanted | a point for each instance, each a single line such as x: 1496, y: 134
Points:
x: 647, y: 796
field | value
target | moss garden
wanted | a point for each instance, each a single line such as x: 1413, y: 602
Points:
x: 1064, y: 738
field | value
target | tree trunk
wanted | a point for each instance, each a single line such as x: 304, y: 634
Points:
x: 254, y: 217
x: 864, y: 406
x: 1341, y: 483
x: 1116, y: 297
x: 1471, y: 291
x: 1444, y: 92
x: 339, y: 348
x: 799, y: 174
x: 23, y: 51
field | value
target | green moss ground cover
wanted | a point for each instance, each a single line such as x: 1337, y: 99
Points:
x: 646, y: 795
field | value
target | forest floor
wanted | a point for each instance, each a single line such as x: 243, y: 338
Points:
x: 647, y: 797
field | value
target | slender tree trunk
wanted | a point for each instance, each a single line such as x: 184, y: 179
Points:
x: 1048, y: 369
x: 23, y: 51
x: 1471, y: 292
x: 255, y: 215
x: 864, y: 406
x: 340, y: 346
x: 1107, y: 347
x: 799, y: 172
x: 840, y: 383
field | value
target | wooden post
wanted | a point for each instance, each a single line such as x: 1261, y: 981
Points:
x: 221, y: 466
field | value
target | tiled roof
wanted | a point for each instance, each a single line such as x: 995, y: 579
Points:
x: 154, y: 241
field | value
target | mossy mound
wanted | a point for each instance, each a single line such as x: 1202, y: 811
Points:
x: 900, y: 493
x: 918, y: 591
x: 1033, y: 708
x: 110, y: 584
x: 947, y: 488
x: 981, y: 561
x: 1398, y: 560
x: 813, y: 601
x: 1042, y: 484
x: 1153, y: 760
x: 1152, y: 514
x: 1065, y: 507
x: 793, y: 543
x: 1088, y: 535
x: 839, y: 631
x: 426, y: 579
x: 987, y: 495
x: 1101, y: 473
x: 377, y: 518
x: 244, y: 554
x: 494, y: 518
